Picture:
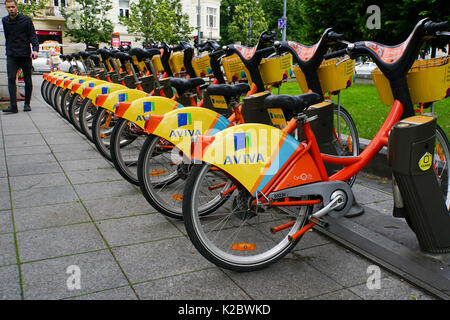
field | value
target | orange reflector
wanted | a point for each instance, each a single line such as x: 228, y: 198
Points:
x: 157, y: 173
x: 177, y: 197
x: 244, y: 246
x: 350, y: 145
x: 440, y: 153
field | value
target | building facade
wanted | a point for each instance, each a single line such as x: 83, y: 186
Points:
x: 50, y: 25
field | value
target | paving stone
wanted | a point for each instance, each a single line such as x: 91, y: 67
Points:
x: 153, y: 260
x: 391, y: 288
x: 4, y: 185
x: 94, y: 175
x: 118, y: 207
x: 15, y: 141
x: 43, y: 196
x: 5, y: 201
x: 88, y: 153
x: 27, y: 150
x: 31, y: 159
x: 7, y: 249
x: 6, y: 221
x: 38, y: 181
x: 50, y: 216
x: 339, y: 264
x: 84, y: 164
x: 290, y: 278
x: 211, y: 284
x: 10, y: 283
x: 105, y: 190
x: 54, y: 242
x: 344, y: 294
x: 136, y: 229
x: 51, y: 279
x: 25, y: 169
x: 123, y: 293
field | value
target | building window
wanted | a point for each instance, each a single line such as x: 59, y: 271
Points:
x: 211, y: 17
x: 124, y: 8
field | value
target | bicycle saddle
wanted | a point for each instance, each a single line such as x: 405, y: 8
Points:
x: 84, y: 54
x: 105, y: 53
x: 152, y: 52
x: 142, y: 53
x: 294, y: 103
x: 228, y: 90
x: 95, y: 58
x: 122, y: 56
x: 183, y: 85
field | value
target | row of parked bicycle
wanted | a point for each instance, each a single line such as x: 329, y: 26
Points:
x: 250, y: 171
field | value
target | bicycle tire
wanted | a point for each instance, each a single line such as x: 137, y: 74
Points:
x: 44, y: 85
x: 125, y: 146
x: 242, y: 239
x: 348, y: 131
x: 85, y: 117
x: 50, y: 95
x: 65, y: 99
x: 57, y: 100
x: 101, y: 139
x: 74, y: 109
x: 162, y: 178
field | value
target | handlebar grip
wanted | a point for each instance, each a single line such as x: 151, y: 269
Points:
x: 204, y: 47
x: 266, y: 51
x: 436, y: 26
x: 335, y: 54
x: 335, y: 36
x: 178, y: 47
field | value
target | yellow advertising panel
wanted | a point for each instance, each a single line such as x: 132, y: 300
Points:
x: 126, y: 95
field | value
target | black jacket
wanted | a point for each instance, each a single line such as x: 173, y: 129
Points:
x: 19, y: 34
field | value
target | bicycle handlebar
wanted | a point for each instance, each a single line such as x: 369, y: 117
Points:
x: 432, y: 27
x: 335, y: 54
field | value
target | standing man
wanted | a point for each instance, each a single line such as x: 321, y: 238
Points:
x: 20, y: 36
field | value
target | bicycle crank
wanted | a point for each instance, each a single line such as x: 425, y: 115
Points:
x: 337, y: 196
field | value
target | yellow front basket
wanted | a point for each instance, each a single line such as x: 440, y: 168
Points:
x: 334, y: 75
x: 428, y: 81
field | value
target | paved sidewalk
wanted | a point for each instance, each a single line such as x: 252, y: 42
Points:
x: 64, y: 209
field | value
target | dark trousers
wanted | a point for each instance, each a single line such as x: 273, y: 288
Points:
x: 12, y: 65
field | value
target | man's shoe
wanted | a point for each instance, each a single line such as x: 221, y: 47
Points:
x: 11, y: 109
x: 26, y: 108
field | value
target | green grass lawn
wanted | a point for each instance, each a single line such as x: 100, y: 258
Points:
x: 366, y: 109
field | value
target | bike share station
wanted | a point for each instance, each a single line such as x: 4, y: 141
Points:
x: 421, y: 256
x: 417, y: 250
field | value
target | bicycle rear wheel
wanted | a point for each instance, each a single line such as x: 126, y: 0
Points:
x: 74, y: 110
x: 346, y: 140
x: 237, y: 236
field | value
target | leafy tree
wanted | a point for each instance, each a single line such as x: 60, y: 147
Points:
x: 157, y: 20
x: 86, y: 22
x: 248, y: 22
x: 32, y: 8
x: 227, y: 12
x: 274, y: 11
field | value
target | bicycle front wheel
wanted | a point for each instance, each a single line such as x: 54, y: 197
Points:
x: 125, y: 144
x: 237, y: 236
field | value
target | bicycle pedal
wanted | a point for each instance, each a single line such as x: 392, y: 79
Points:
x: 320, y: 222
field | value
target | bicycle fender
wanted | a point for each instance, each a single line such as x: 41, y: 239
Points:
x: 61, y: 79
x: 89, y: 84
x: 55, y: 77
x: 141, y: 109
x: 104, y: 88
x: 111, y: 101
x: 251, y: 153
x: 181, y: 125
x: 77, y: 80
x: 67, y: 83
